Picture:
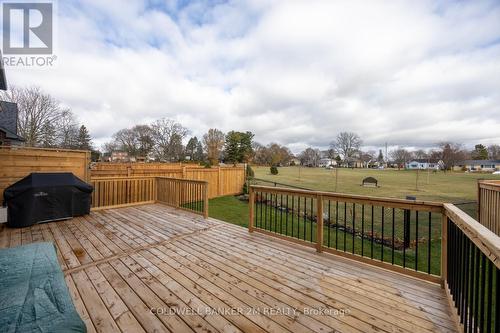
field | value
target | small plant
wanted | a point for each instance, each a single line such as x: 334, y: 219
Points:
x: 250, y: 172
x: 274, y: 170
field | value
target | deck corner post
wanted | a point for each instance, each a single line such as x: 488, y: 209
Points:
x: 251, y: 203
x: 205, y: 201
x: 319, y: 223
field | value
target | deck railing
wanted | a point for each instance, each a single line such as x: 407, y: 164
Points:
x: 472, y: 272
x: 489, y: 204
x: 114, y: 192
x: 432, y: 241
x: 190, y: 195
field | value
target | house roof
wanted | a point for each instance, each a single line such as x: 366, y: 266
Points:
x: 424, y: 160
x: 478, y: 162
x: 8, y: 116
x: 11, y: 135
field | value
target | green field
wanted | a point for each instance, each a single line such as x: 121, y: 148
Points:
x: 432, y: 186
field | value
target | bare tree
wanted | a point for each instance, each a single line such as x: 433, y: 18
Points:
x: 400, y: 156
x: 310, y: 157
x: 347, y: 144
x: 420, y: 154
x: 450, y: 153
x: 213, y: 142
x: 167, y: 136
x: 494, y: 152
x: 38, y: 114
x: 67, y: 130
x: 126, y: 140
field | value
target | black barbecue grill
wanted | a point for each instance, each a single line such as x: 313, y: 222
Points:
x: 44, y: 197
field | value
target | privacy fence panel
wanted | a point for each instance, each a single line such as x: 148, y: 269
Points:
x: 489, y: 204
x: 18, y: 162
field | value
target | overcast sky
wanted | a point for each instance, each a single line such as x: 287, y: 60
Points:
x: 295, y: 72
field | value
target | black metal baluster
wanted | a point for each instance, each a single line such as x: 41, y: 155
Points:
x: 345, y: 224
x: 465, y: 302
x: 382, y: 248
x: 362, y: 230
x: 293, y: 211
x: 265, y: 215
x: 298, y: 217
x: 337, y: 225
x: 460, y: 273
x: 404, y: 239
x: 260, y: 196
x: 483, y: 292
x: 416, y: 240
x: 473, y: 268
x: 393, y: 231
x: 305, y: 217
x: 489, y: 306
x: 429, y: 239
x: 281, y: 213
x: 353, y: 225
x: 329, y: 221
x: 312, y: 217
x: 476, y: 289
x: 373, y: 236
x: 286, y: 216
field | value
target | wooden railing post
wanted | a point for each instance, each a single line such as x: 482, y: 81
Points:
x: 205, y: 200
x: 251, y: 202
x: 319, y: 223
x: 444, y: 247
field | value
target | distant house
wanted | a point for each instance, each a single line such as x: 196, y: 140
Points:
x: 8, y: 124
x: 477, y: 165
x: 326, y: 162
x: 424, y: 164
x: 119, y: 156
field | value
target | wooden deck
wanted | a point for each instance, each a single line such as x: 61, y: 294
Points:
x: 156, y: 269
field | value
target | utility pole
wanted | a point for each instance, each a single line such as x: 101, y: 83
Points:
x: 416, y: 180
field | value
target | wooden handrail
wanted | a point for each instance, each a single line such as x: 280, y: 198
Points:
x: 485, y: 239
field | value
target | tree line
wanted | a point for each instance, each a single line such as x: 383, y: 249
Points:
x: 43, y: 121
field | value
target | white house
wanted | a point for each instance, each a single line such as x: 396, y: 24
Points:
x: 326, y: 162
x: 424, y: 164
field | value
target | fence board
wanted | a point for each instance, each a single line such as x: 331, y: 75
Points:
x: 18, y: 162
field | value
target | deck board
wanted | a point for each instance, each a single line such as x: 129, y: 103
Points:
x: 126, y: 268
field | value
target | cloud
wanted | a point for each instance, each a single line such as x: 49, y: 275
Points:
x: 295, y: 72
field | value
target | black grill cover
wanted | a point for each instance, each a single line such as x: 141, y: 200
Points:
x: 43, y: 197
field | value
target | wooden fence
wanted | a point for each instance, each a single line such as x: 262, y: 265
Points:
x: 191, y: 195
x: 221, y: 180
x: 489, y: 204
x: 18, y: 162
